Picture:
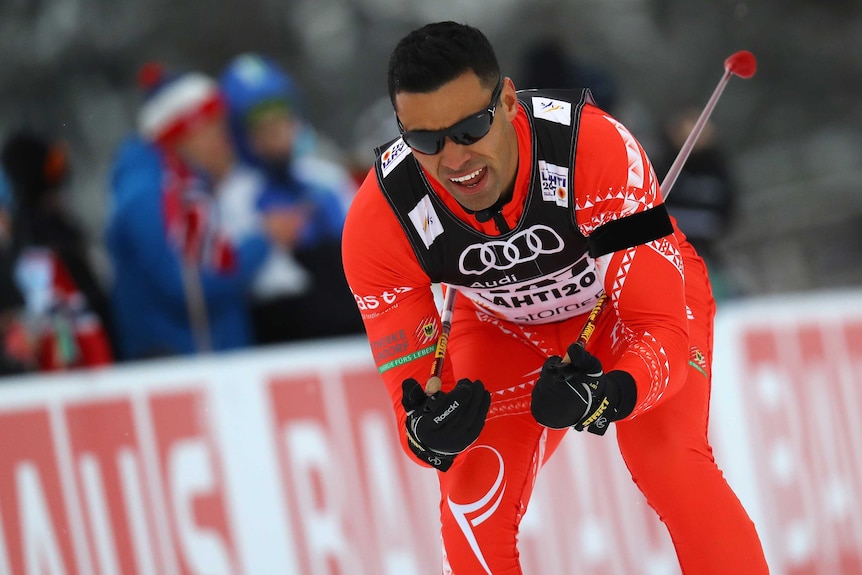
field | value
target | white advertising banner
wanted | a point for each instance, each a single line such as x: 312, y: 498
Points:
x: 285, y: 461
x: 787, y: 399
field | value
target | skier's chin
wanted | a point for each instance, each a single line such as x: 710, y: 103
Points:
x: 475, y: 196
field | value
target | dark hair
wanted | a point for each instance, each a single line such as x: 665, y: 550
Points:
x: 437, y: 53
x: 36, y: 165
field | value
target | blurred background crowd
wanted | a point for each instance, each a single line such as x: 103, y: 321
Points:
x: 175, y: 175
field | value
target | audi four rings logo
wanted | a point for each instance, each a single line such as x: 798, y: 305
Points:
x: 501, y: 255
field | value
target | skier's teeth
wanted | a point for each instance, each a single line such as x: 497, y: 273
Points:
x: 466, y: 178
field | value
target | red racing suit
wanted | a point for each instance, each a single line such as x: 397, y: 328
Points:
x: 524, y: 295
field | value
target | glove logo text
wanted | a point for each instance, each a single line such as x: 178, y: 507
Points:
x: 446, y: 413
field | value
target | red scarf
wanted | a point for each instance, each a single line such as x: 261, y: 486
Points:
x: 191, y: 219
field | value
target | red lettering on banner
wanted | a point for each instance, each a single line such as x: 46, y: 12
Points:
x: 802, y: 406
x: 837, y: 485
x: 35, y: 524
x: 325, y: 509
x: 400, y: 508
x: 193, y: 484
x: 778, y: 441
x: 851, y: 379
x: 112, y: 489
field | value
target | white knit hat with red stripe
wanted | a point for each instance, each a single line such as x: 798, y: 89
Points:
x: 174, y: 104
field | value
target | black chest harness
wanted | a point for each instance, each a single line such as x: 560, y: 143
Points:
x: 543, y: 269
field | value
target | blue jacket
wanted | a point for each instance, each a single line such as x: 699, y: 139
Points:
x: 148, y: 294
x: 249, y: 81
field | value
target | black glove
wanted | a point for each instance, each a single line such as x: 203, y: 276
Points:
x: 578, y: 394
x: 443, y: 425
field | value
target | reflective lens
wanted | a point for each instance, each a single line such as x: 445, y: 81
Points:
x: 466, y: 132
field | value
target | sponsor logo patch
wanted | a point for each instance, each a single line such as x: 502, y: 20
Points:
x: 525, y: 246
x: 547, y: 297
x: 555, y: 183
x: 371, y: 306
x: 697, y: 360
x: 425, y: 220
x: 406, y: 359
x: 553, y: 110
x: 390, y: 346
x: 393, y: 156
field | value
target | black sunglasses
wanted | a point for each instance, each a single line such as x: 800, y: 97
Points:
x: 466, y: 132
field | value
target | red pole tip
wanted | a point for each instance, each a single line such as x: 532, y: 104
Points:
x: 742, y: 63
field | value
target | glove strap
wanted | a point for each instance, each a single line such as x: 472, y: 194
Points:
x: 620, y: 396
x: 434, y: 459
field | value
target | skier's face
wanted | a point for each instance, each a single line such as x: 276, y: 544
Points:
x: 272, y: 136
x: 208, y: 147
x: 478, y: 173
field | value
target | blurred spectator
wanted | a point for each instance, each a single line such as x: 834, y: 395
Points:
x: 181, y: 281
x: 702, y: 200
x: 16, y: 355
x: 67, y: 317
x: 6, y: 211
x: 308, y: 192
x: 547, y: 65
